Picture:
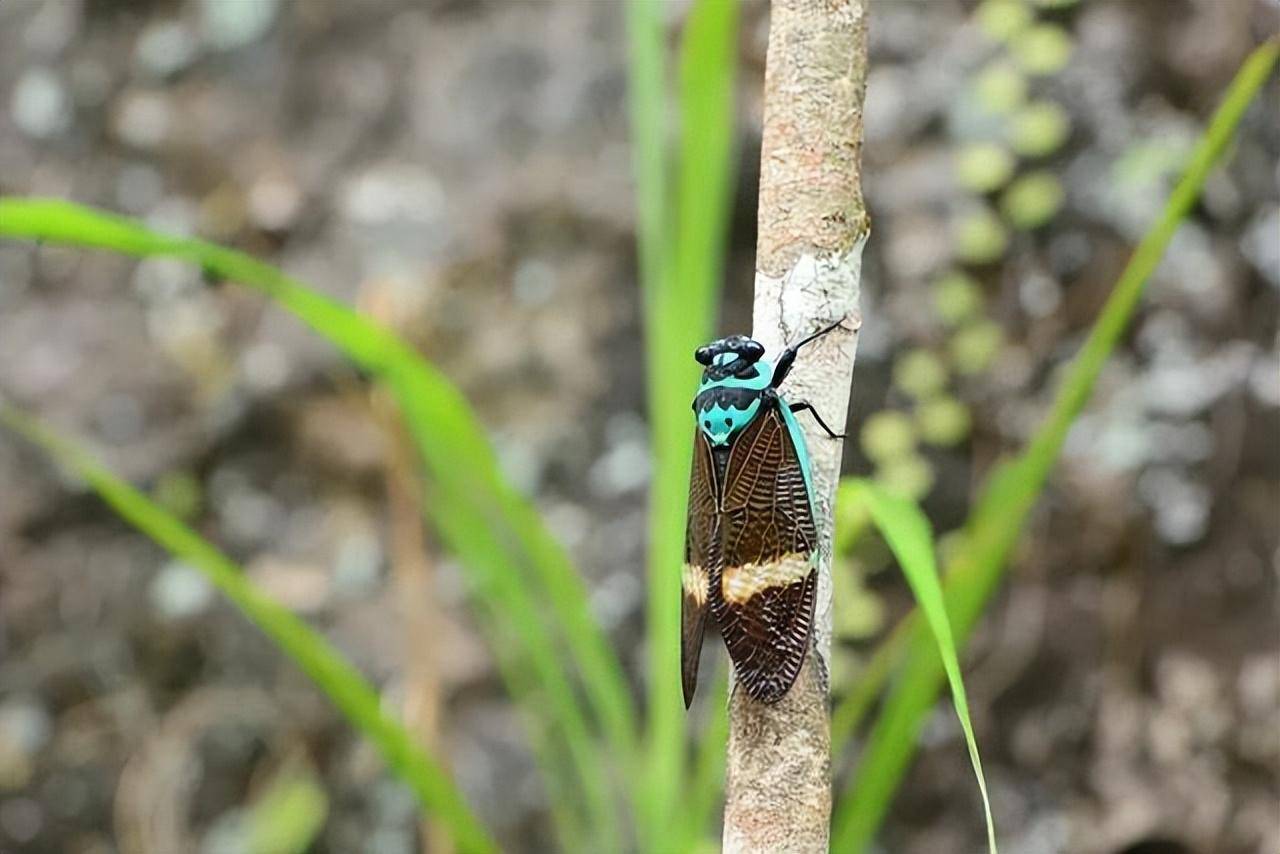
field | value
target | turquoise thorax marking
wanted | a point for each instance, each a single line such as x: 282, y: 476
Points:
x: 726, y: 405
x: 721, y: 422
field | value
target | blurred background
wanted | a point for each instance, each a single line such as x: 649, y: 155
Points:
x: 462, y: 171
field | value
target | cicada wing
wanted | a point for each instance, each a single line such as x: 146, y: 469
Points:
x: 701, y: 561
x: 764, y: 603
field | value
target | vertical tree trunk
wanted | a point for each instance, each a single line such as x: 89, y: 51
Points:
x: 812, y: 227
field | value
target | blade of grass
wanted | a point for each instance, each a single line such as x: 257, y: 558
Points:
x: 910, y: 537
x: 452, y: 445
x: 647, y: 101
x: 1015, y: 486
x: 706, y: 782
x: 531, y: 670
x: 681, y: 274
x: 646, y: 95
x: 355, y: 698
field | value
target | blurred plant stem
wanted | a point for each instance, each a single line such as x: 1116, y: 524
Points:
x: 682, y: 215
x: 417, y: 599
x: 412, y: 571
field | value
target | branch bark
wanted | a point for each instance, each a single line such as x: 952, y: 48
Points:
x: 812, y: 227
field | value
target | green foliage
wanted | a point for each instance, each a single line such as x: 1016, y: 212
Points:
x: 1039, y: 129
x: 979, y: 236
x: 956, y: 297
x: 861, y: 613
x: 920, y: 374
x: 1148, y: 162
x: 908, y: 475
x: 1043, y: 49
x: 908, y: 533
x: 943, y: 421
x: 326, y: 667
x: 288, y: 817
x: 983, y: 166
x: 975, y: 346
x: 1011, y: 491
x: 1032, y: 200
x: 886, y: 435
x: 527, y: 593
x: 1000, y: 87
x: 1003, y: 19
x: 529, y: 599
x: 682, y: 247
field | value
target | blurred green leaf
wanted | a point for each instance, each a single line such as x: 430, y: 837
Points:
x: 1012, y: 488
x: 288, y: 817
x: 943, y: 421
x: 859, y: 613
x: 346, y: 688
x: 919, y: 373
x: 956, y: 297
x: 1032, y: 200
x: 983, y: 166
x: 979, y: 236
x: 886, y: 435
x: 975, y: 346
x: 1039, y: 129
x: 1000, y: 87
x: 1003, y: 19
x: 909, y: 476
x: 868, y: 684
x: 1043, y: 49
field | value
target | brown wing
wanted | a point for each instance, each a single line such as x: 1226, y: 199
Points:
x: 701, y: 561
x: 765, y: 599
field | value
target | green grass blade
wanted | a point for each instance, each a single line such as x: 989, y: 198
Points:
x: 1014, y: 487
x: 647, y: 97
x: 681, y: 271
x: 706, y: 781
x: 510, y: 550
x: 349, y: 692
x: 528, y: 661
x: 910, y: 537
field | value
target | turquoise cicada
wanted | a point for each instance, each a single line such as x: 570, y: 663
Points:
x: 751, y: 548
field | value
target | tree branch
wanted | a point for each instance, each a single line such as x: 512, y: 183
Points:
x: 812, y: 227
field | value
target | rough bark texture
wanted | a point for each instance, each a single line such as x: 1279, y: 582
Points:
x: 812, y: 226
